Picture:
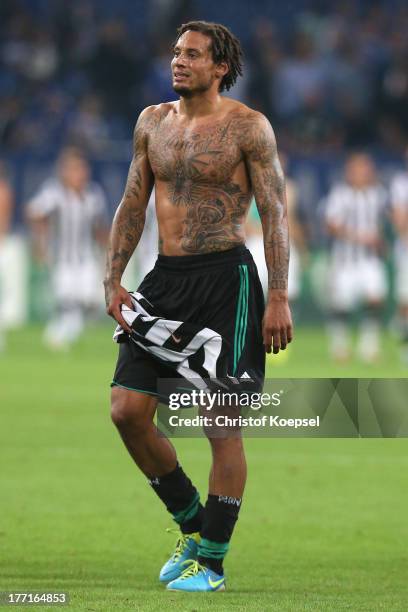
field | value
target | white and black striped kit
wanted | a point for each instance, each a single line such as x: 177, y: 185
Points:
x: 194, y: 351
x: 73, y: 218
x: 399, y: 202
x: 360, y: 211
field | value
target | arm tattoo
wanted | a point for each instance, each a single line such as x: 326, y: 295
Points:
x: 130, y: 216
x: 134, y: 181
x: 268, y: 185
x: 126, y: 232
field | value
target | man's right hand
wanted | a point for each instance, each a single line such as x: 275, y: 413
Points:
x: 115, y: 296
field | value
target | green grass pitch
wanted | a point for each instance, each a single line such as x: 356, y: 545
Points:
x: 323, y: 524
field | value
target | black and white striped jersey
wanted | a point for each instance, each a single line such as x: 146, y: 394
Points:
x: 195, y: 352
x: 73, y: 219
x: 399, y: 191
x: 399, y: 202
x: 359, y: 211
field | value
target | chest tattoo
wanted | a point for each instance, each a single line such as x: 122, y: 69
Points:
x: 198, y: 168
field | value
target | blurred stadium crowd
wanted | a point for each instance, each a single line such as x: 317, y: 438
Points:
x: 328, y: 75
x: 332, y: 78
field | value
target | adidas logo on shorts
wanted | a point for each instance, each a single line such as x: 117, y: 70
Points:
x: 246, y: 376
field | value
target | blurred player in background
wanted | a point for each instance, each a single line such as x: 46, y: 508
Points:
x: 297, y: 239
x: 6, y: 210
x: 399, y: 204
x: 68, y: 221
x: 357, y: 277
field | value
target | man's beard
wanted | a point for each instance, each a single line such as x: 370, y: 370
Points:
x: 190, y: 92
x: 184, y: 92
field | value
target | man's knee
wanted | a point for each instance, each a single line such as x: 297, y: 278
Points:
x: 228, y: 458
x: 226, y: 451
x: 131, y: 409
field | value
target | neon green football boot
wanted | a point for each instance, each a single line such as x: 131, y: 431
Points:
x: 186, y: 548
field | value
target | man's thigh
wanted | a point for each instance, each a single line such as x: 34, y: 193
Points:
x: 137, y: 371
x: 343, y: 287
x: 131, y: 405
x: 373, y: 281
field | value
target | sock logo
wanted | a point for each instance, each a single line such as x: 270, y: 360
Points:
x: 154, y: 481
x: 235, y: 501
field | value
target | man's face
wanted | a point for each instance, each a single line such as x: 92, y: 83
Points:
x: 360, y: 171
x: 74, y: 172
x: 192, y: 66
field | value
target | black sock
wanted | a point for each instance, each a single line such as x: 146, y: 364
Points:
x: 220, y: 516
x: 181, y: 499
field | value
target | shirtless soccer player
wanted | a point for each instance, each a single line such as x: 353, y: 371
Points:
x: 206, y: 155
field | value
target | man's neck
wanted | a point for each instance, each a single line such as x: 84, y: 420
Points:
x: 200, y: 105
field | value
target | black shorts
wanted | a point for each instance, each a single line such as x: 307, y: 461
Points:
x: 221, y: 291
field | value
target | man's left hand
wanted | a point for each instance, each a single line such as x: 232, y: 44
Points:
x: 277, y: 328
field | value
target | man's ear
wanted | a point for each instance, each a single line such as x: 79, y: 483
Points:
x: 221, y: 70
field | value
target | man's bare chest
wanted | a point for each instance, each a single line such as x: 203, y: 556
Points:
x: 209, y: 154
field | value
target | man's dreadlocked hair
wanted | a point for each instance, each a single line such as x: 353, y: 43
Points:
x: 225, y: 47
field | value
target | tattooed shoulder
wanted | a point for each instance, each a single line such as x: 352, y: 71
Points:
x: 149, y: 121
x: 256, y: 137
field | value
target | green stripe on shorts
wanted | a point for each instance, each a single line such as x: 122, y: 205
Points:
x: 241, y: 320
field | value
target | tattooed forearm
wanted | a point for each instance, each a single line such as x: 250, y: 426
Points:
x: 268, y: 185
x: 129, y: 219
x: 270, y: 188
x: 126, y: 231
x: 276, y: 243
